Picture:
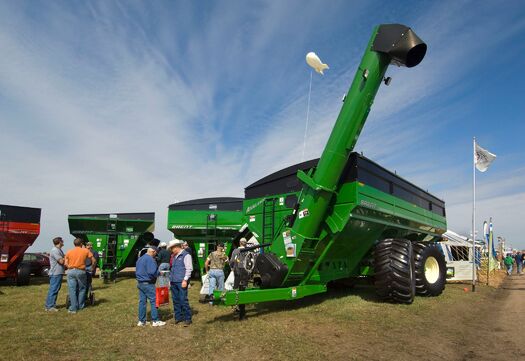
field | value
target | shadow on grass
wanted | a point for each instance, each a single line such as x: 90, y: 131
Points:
x: 98, y: 301
x: 514, y: 288
x: 365, y: 292
x: 166, y: 313
x: 33, y: 281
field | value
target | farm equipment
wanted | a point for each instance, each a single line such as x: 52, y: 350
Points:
x: 343, y: 215
x: 117, y: 238
x: 204, y: 223
x: 19, y: 228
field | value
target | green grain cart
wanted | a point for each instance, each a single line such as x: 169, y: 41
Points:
x: 205, y: 222
x: 117, y: 237
x: 343, y: 215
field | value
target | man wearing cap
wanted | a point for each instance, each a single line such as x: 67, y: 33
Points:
x: 181, y: 268
x: 240, y: 281
x: 163, y: 257
x: 146, y: 272
x: 91, y: 268
x: 187, y: 248
x: 214, y: 265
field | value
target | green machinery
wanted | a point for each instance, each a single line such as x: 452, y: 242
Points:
x: 117, y: 237
x: 343, y: 215
x: 205, y: 222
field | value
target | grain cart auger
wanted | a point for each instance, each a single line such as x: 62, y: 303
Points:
x: 343, y: 215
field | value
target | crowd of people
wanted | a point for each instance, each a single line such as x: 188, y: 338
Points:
x: 176, y: 258
x: 81, y: 263
x: 173, y: 259
x: 514, y: 259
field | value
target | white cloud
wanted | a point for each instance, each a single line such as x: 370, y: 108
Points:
x: 104, y: 110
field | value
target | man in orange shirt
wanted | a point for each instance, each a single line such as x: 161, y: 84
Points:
x: 75, y: 261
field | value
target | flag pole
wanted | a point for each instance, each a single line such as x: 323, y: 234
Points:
x: 474, y: 215
x: 307, y: 115
x: 490, y: 249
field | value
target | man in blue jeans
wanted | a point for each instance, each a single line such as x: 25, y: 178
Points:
x: 146, y: 272
x: 56, y: 273
x: 519, y: 262
x: 215, y: 266
x: 181, y: 268
x: 75, y: 261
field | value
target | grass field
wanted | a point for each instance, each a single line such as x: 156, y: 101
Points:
x: 340, y: 325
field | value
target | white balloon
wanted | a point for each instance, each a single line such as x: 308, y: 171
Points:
x: 313, y: 60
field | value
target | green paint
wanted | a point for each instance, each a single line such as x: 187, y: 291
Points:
x: 338, y: 223
x: 203, y: 229
x: 274, y: 294
x: 124, y: 229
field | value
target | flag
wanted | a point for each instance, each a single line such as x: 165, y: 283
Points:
x: 491, y: 235
x: 483, y: 158
x: 486, y: 231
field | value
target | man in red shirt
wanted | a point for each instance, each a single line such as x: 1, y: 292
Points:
x: 75, y: 261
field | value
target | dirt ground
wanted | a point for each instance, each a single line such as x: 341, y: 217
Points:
x: 504, y: 330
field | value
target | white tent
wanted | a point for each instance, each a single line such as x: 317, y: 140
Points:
x: 458, y: 254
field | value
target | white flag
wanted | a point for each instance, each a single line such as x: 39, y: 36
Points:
x: 483, y: 158
x: 313, y: 60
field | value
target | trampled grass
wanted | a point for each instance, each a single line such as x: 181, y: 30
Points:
x: 342, y: 324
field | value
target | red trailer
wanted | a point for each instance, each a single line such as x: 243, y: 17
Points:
x: 19, y: 227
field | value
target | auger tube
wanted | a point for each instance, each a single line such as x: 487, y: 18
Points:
x: 389, y: 43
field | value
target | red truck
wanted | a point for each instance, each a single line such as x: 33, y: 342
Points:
x: 19, y: 227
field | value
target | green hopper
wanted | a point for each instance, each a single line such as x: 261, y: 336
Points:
x: 204, y: 223
x: 344, y: 216
x: 117, y: 237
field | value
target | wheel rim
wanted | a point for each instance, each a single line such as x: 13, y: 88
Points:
x: 431, y: 270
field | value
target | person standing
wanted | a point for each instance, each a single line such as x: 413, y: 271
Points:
x: 214, y: 265
x: 56, y: 273
x: 519, y: 262
x: 240, y: 281
x: 508, y: 263
x: 146, y: 272
x: 164, y: 256
x: 186, y: 247
x: 75, y: 261
x: 91, y: 268
x: 181, y: 268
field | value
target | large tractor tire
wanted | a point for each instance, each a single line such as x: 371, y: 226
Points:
x: 23, y: 273
x: 394, y: 271
x: 430, y: 269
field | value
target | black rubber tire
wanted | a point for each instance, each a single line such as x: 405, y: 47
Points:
x: 68, y: 302
x: 394, y: 271
x: 23, y: 274
x: 44, y: 271
x: 422, y: 252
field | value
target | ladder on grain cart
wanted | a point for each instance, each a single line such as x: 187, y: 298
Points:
x: 109, y: 266
x: 268, y: 220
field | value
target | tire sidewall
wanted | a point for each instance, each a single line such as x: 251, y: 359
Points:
x: 431, y: 250
x: 23, y: 274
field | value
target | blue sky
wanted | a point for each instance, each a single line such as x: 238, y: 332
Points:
x: 130, y: 106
